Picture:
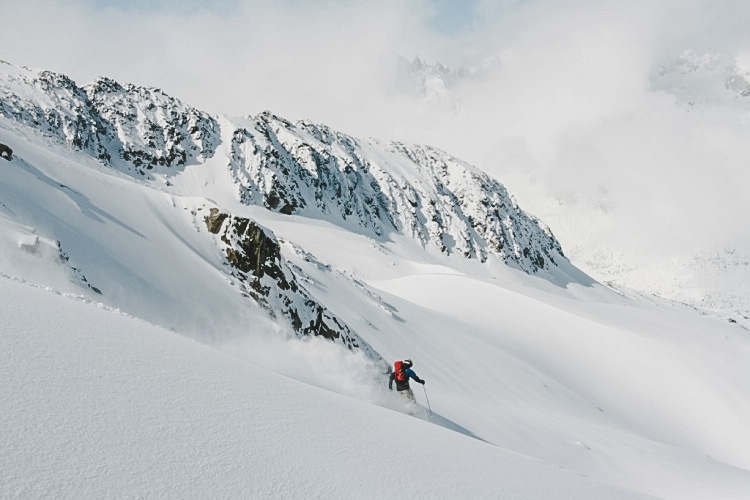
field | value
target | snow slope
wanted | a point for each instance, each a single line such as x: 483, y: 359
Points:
x: 636, y: 391
x: 137, y: 358
x: 97, y: 404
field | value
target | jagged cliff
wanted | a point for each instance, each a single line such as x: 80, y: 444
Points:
x: 381, y: 187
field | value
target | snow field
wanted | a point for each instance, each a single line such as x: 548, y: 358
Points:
x: 98, y: 404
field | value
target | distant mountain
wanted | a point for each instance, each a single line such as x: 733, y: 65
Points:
x: 435, y: 81
x: 699, y: 79
x: 132, y: 128
x: 420, y: 78
x: 704, y: 84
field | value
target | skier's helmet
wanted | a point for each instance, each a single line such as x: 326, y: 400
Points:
x: 408, y: 363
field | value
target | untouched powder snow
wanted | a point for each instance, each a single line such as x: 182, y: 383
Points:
x: 634, y: 391
x: 98, y: 405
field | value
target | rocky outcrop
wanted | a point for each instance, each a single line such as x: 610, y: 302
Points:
x: 254, y: 258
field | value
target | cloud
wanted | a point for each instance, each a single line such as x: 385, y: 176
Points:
x: 253, y: 56
x: 591, y: 128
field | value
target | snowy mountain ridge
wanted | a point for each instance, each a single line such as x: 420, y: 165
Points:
x: 293, y: 169
x: 377, y: 189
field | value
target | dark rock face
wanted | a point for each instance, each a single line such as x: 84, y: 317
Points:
x: 379, y: 188
x: 254, y: 257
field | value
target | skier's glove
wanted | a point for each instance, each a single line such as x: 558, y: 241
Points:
x: 422, y: 382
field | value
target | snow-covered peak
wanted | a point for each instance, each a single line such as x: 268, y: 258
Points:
x: 154, y: 131
x: 697, y: 79
x: 135, y: 129
x: 738, y: 75
x: 431, y: 81
x: 54, y: 105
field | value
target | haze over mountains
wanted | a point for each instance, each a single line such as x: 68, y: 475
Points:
x: 647, y: 212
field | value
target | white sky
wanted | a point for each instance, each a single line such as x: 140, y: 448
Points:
x: 561, y: 105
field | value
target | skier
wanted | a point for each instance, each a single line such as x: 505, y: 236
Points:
x: 401, y: 374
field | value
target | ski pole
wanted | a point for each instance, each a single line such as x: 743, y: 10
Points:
x: 426, y: 398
